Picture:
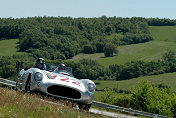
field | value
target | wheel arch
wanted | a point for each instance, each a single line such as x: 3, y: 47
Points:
x: 28, y: 80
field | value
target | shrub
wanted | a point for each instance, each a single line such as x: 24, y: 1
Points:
x: 109, y: 50
x: 145, y: 97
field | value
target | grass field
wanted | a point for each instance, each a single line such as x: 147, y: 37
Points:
x: 9, y: 47
x: 164, y: 39
x: 168, y: 79
x: 164, y: 33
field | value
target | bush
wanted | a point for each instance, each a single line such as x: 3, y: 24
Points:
x: 145, y: 97
x: 109, y: 50
x: 8, y: 64
x: 152, y: 99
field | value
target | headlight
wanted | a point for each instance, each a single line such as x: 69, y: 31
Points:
x: 91, y: 87
x: 38, y: 77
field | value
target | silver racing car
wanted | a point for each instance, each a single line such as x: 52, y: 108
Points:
x: 57, y: 84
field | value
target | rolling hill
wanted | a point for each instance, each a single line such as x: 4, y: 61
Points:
x: 164, y: 39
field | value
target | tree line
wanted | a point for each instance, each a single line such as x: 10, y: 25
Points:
x: 66, y: 36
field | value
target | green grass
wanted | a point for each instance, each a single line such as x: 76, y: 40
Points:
x: 164, y: 39
x: 164, y: 33
x: 168, y: 79
x: 9, y: 47
x: 152, y: 50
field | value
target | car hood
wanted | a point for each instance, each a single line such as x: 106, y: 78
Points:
x: 64, y: 80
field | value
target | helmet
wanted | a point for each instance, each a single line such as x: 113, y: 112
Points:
x: 61, y: 67
x: 40, y: 63
x: 40, y: 60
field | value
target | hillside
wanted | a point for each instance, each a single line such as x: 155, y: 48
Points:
x: 163, y: 33
x: 166, y: 79
x: 9, y: 47
x: 20, y: 105
x: 152, y: 50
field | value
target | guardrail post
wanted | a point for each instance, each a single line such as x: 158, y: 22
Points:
x: 155, y: 116
x: 19, y: 65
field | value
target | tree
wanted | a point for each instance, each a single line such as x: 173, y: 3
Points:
x: 152, y: 99
x: 90, y: 49
x: 110, y: 49
x: 169, y: 60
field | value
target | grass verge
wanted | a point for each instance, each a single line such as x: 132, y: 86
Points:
x: 19, y: 105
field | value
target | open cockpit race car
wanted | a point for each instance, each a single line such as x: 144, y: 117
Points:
x: 57, y: 84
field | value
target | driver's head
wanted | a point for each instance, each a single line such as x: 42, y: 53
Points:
x: 40, y: 63
x: 61, y: 67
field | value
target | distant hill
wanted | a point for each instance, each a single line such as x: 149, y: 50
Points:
x: 164, y: 39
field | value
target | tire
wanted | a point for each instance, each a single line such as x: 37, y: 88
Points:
x: 85, y: 107
x: 28, y: 83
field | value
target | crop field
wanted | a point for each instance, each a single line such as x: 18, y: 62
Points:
x: 9, y: 47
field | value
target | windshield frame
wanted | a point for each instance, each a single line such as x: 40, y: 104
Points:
x: 54, y: 68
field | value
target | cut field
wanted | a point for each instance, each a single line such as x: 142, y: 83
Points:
x: 9, y: 47
x: 164, y: 39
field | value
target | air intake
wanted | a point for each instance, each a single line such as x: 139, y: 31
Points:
x: 64, y: 92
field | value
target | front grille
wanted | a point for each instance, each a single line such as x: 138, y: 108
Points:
x: 64, y: 91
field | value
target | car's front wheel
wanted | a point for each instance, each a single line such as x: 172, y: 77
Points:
x: 28, y: 84
x: 84, y: 106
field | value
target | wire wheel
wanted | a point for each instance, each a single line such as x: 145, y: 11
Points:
x: 28, y: 84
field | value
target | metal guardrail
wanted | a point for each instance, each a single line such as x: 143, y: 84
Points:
x: 10, y: 83
x: 7, y: 82
x: 127, y: 110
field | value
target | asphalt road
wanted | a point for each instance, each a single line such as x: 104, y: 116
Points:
x: 111, y: 114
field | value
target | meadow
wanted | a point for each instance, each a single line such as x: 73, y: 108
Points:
x: 9, y: 47
x: 164, y: 39
x: 166, y: 79
x: 163, y: 33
